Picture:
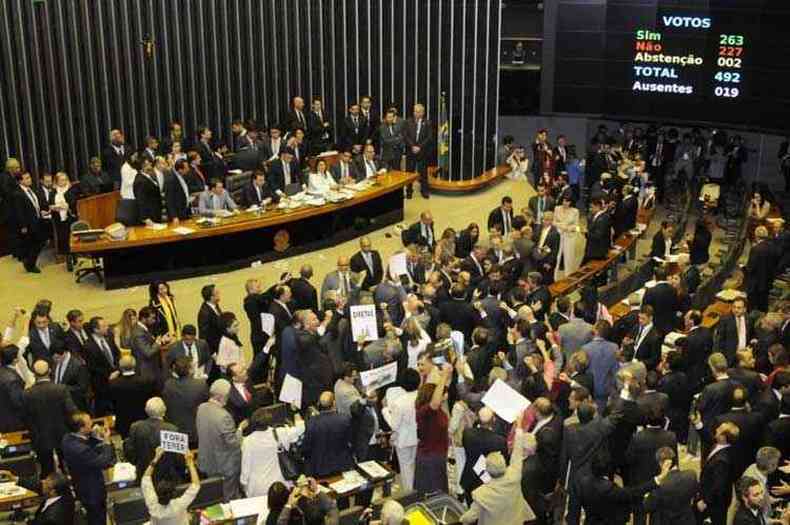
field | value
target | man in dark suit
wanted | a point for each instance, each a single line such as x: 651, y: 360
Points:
x: 663, y: 298
x: 751, y: 427
x: 257, y: 192
x: 145, y: 435
x: 304, y: 296
x: 714, y: 400
x: 647, y: 342
x: 538, y: 205
x: 209, y: 325
x: 58, y: 508
x: 547, y: 247
x: 548, y: 434
x: 281, y: 309
x: 71, y: 372
x: 42, y: 336
x: 101, y: 356
x: 87, y: 453
x: 421, y: 232
x: 745, y: 375
x: 283, y: 172
x: 459, y: 313
x: 147, y: 194
x: 501, y: 217
x: 115, y: 155
x: 129, y: 392
x: 391, y: 140
x: 368, y: 260
x: 671, y: 503
x: 177, y: 195
x: 210, y: 160
x: 295, y: 118
x: 147, y: 349
x: 626, y: 212
x: 47, y: 409
x: 275, y: 142
x: 370, y: 118
x: 75, y: 336
x: 257, y: 302
x: 29, y: 211
x: 777, y: 434
x: 189, y: 346
x: 717, y: 476
x: 760, y: 270
x: 641, y: 454
x: 699, y: 346
x: 319, y: 134
x: 599, y: 233
x: 734, y: 331
x: 650, y: 397
x: 239, y: 402
x: 182, y: 395
x: 327, y: 440
x: 418, y: 135
x: 478, y: 441
x: 12, y: 387
x: 343, y: 170
x: 354, y: 130
x: 626, y: 325
x: 751, y: 496
x: 366, y: 166
x: 662, y: 241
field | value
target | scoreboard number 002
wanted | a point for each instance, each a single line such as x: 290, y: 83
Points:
x: 726, y: 92
x: 731, y: 40
x: 729, y: 62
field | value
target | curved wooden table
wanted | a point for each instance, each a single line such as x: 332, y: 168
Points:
x: 246, y: 238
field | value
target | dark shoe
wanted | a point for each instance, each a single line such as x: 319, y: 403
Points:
x: 426, y: 196
x: 32, y: 269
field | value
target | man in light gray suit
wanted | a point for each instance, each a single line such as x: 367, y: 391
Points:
x: 183, y: 395
x: 219, y: 452
x: 215, y: 199
x: 146, y: 349
x: 342, y: 280
x: 346, y: 393
x: 575, y: 333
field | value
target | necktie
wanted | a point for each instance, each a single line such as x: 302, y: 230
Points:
x: 258, y: 192
x: 392, y: 133
x: 45, y: 337
x: 247, y: 396
x: 301, y: 117
x: 507, y: 223
x: 356, y: 125
x: 639, y: 339
x: 287, y: 172
x: 419, y: 128
x: 107, y: 351
x: 368, y: 261
x: 343, y: 170
x: 59, y: 373
x: 34, y: 200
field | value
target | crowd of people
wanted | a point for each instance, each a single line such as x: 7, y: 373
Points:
x: 611, y: 413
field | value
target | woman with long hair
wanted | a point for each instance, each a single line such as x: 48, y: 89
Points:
x: 123, y: 328
x: 320, y: 182
x: 229, y: 345
x: 446, y: 245
x: 466, y: 240
x: 417, y: 340
x: 162, y: 300
x: 63, y: 210
x: 566, y: 219
x: 433, y: 439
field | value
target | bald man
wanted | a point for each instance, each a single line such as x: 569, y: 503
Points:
x: 418, y: 134
x: 368, y: 260
x: 759, y: 270
x: 340, y: 280
x: 327, y: 440
x: 478, y: 441
x: 296, y: 116
x: 421, y: 232
x: 144, y: 436
x: 47, y: 408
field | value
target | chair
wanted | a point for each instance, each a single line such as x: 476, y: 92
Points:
x: 25, y: 468
x: 235, y: 182
x: 95, y: 266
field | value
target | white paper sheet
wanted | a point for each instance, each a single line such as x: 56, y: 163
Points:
x: 504, y: 401
x: 363, y: 322
x: 291, y: 391
x: 267, y: 323
x: 397, y: 264
x: 249, y: 507
x: 379, y: 377
x: 181, y: 230
x: 177, y: 442
x: 458, y: 341
x: 480, y: 469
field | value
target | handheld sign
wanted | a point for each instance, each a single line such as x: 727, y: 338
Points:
x: 177, y: 442
x: 504, y: 401
x: 363, y: 322
x: 267, y: 323
x: 397, y: 264
x: 291, y: 391
x: 379, y: 377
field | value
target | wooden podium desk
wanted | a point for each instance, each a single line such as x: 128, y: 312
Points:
x: 242, y: 239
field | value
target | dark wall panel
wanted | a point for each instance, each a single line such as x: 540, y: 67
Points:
x: 70, y: 70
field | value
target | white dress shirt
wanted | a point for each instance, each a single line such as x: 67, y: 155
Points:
x: 128, y: 175
x: 401, y: 416
x: 259, y: 464
x: 320, y: 183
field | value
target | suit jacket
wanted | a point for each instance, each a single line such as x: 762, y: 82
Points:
x: 148, y: 197
x: 423, y: 140
x: 716, y: 481
x: 112, y: 161
x: 24, y: 212
x: 461, y: 316
x: 699, y: 250
x: 648, y: 350
x: 315, y: 131
x: 282, y: 316
x: 574, y: 335
x: 359, y: 169
x: 249, y: 196
x: 552, y: 243
x: 608, y: 504
x: 479, y: 441
x: 207, y: 206
x: 176, y: 201
x: 659, y: 246
x: 95, y: 183
x: 641, y: 453
x: 12, y: 388
x: 714, y: 400
x: 373, y: 277
x: 760, y: 268
x: 413, y: 235
x: 148, y: 354
x: 129, y: 395
x: 496, y: 219
x: 744, y: 516
x: 354, y: 133
x: 36, y: 349
x: 219, y: 451
x: 699, y: 347
x: 238, y: 407
x: 744, y: 450
x: 533, y: 205
x: 624, y: 326
x: 47, y: 409
x: 58, y: 513
x: 76, y: 378
x: 182, y: 397
x: 337, y: 172
x: 178, y: 350
x: 144, y: 437
x: 647, y: 400
x: 727, y: 333
x: 671, y: 503
x: 209, y: 327
x: 664, y: 300
x: 625, y: 215
x: 391, y: 141
x: 303, y: 294
x: 327, y: 444
x: 86, y: 460
x: 99, y: 366
x: 74, y: 344
x: 332, y: 281
x: 598, y: 237
x: 549, y: 439
x: 277, y: 175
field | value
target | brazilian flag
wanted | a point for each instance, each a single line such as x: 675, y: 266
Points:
x: 443, y: 142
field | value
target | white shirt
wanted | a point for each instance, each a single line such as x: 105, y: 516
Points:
x: 401, y: 416
x: 128, y: 174
x: 414, y: 350
x: 60, y: 200
x: 644, y: 331
x: 543, y: 235
x: 740, y: 325
x: 259, y: 465
x: 229, y: 352
x: 175, y: 512
x: 49, y: 502
x: 320, y: 183
x: 370, y: 168
x: 60, y: 368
